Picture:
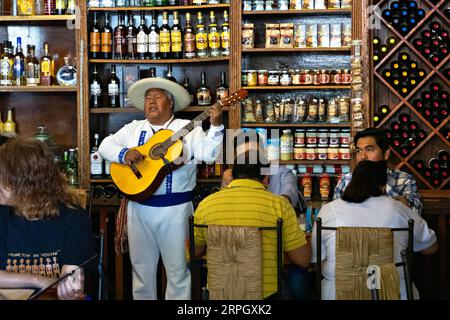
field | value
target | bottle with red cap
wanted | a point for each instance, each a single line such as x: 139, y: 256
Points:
x: 419, y: 165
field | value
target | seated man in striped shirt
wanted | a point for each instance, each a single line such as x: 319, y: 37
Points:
x: 246, y: 202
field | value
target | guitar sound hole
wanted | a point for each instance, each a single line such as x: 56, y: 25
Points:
x: 157, y: 152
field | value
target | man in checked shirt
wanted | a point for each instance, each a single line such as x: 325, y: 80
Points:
x: 372, y: 144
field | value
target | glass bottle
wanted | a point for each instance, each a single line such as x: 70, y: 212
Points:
x: 72, y: 168
x: 25, y: 7
x: 153, y: 38
x: 225, y: 35
x: 6, y: 65
x: 131, y: 38
x: 60, y: 7
x: 169, y: 75
x: 286, y: 145
x: 107, y: 3
x: 120, y: 41
x: 71, y: 7
x: 152, y: 72
x: 148, y: 3
x: 176, y: 38
x: 201, y: 37
x: 94, y: 39
x: 106, y: 39
x: 93, y: 3
x: 203, y: 92
x: 95, y: 90
x: 96, y: 160
x: 47, y: 68
x: 32, y: 68
x: 222, y: 89
x: 39, y: 7
x: 67, y: 74
x: 19, y: 65
x: 189, y: 38
x: 9, y: 125
x: 213, y: 36
x: 49, y: 7
x: 142, y: 38
x: 164, y: 37
x: 113, y: 89
x: 122, y: 3
x: 189, y: 89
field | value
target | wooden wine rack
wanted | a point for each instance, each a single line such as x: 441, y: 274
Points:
x: 405, y: 42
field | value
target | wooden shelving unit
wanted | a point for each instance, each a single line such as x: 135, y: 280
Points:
x: 135, y: 110
x: 315, y: 49
x: 298, y: 12
x: 39, y: 89
x: 164, y: 8
x: 37, y: 18
x: 315, y: 162
x: 294, y: 125
x: 161, y: 61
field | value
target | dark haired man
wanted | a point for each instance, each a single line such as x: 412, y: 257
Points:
x: 372, y: 144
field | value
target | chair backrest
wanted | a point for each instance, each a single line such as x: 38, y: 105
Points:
x: 234, y: 260
x: 356, y: 249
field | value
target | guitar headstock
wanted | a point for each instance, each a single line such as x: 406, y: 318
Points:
x: 235, y: 97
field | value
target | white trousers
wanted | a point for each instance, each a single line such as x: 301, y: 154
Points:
x: 155, y: 230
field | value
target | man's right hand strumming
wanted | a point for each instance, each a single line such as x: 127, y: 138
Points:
x: 133, y: 156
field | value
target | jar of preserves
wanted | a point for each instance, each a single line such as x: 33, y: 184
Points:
x: 299, y: 136
x: 299, y: 152
x: 274, y: 78
x: 333, y: 152
x: 322, y: 137
x: 263, y: 78
x: 296, y: 77
x: 285, y: 78
x: 283, y: 4
x: 344, y: 152
x: 334, y: 136
x: 324, y: 186
x: 311, y: 152
x: 309, y: 77
x: 337, y: 78
x: 248, y: 5
x: 344, y: 136
x: 252, y: 78
x: 316, y: 78
x: 322, y: 152
x: 324, y: 77
x: 259, y: 5
x: 311, y: 136
x: 346, y: 77
x: 270, y: 5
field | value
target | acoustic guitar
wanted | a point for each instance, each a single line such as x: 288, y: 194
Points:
x: 162, y: 155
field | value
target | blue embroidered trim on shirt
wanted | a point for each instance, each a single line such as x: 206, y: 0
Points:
x: 122, y: 154
x: 142, y: 138
x: 169, y: 184
x: 167, y: 200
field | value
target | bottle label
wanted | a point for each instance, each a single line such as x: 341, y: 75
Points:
x: 221, y: 93
x: 94, y: 45
x: 113, y: 89
x: 214, y: 40
x: 164, y: 37
x: 95, y: 89
x: 204, y: 98
x: 201, y: 41
x: 96, y: 164
x: 94, y: 3
x: 60, y: 4
x: 225, y: 40
x: 176, y: 41
x: 106, y: 3
x: 18, y: 68
x: 286, y: 145
x: 153, y: 42
x: 45, y: 66
x: 189, y: 44
x: 106, y: 38
x: 6, y: 68
x: 142, y: 42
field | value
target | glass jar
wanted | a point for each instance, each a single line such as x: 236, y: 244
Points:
x: 324, y: 77
x: 296, y: 77
x: 311, y: 152
x: 244, y: 78
x: 333, y: 152
x: 248, y: 5
x: 322, y: 136
x: 334, y: 136
x: 346, y: 77
x: 344, y: 152
x: 285, y: 78
x: 309, y: 77
x: 344, y: 136
x: 259, y: 5
x: 337, y: 77
x: 322, y: 152
x: 299, y: 152
x: 252, y: 78
x: 311, y: 136
x: 299, y: 136
x: 316, y: 77
x: 270, y: 5
x: 274, y: 78
x: 283, y: 4
x: 263, y: 78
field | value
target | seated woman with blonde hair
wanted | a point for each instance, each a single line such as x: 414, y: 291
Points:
x: 44, y: 233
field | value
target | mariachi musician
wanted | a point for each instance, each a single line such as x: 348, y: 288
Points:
x: 159, y: 224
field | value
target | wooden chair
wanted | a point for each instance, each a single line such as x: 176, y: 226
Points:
x: 357, y: 248
x: 234, y: 261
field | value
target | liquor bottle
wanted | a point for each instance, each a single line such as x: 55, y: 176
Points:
x: 443, y: 157
x: 142, y: 38
x: 426, y: 112
x: 19, y: 65
x: 404, y: 118
x: 412, y: 143
x: 153, y: 39
x: 413, y: 126
x: 152, y: 72
x: 32, y: 68
x: 93, y: 3
x: 189, y: 38
x: 395, y: 126
x: 113, y: 89
x: 9, y: 125
x: 435, y: 88
x: 427, y: 173
x: 122, y: 3
x: 435, y: 119
x: 72, y: 168
x: 391, y: 42
x: 433, y: 164
x: 95, y: 90
x: 222, y: 90
x: 404, y: 150
x: 106, y: 39
x: 176, y: 38
x: 395, y: 6
x: 169, y: 75
x: 189, y: 89
x: 47, y: 68
x: 131, y: 38
x: 403, y: 56
x: 384, y: 111
x: 49, y: 7
x: 6, y: 65
x: 376, y: 119
x: 387, y: 14
x: 71, y: 7
x: 225, y: 35
x: 110, y: 191
x: 213, y: 36
x: 376, y: 42
x: 201, y: 37
x: 203, y: 92
x: 107, y: 165
x: 60, y: 7
x: 419, y: 165
x: 96, y: 159
x: 164, y: 37
x: 94, y: 39
x: 120, y: 40
x: 107, y: 3
x: 67, y: 74
x: 387, y: 75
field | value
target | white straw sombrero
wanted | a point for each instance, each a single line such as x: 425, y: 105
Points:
x: 136, y: 92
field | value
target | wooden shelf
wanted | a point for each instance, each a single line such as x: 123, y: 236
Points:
x: 306, y: 87
x: 167, y: 8
x: 135, y: 110
x: 38, y: 18
x: 315, y: 49
x: 297, y: 12
x: 316, y: 162
x: 161, y: 61
x: 38, y: 89
x: 295, y: 125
